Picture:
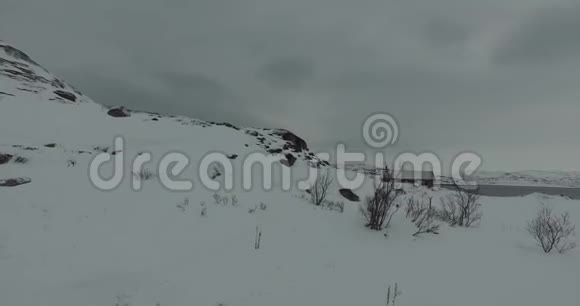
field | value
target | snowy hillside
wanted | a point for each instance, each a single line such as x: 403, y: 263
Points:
x: 64, y: 242
x: 531, y: 178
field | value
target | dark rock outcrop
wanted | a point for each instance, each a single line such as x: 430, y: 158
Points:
x: 5, y: 158
x: 349, y: 195
x: 66, y: 95
x: 229, y: 125
x: 290, y: 158
x: 13, y: 182
x: 17, y: 54
x: 293, y: 142
x: 119, y: 112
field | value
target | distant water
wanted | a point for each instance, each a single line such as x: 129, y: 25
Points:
x: 517, y: 191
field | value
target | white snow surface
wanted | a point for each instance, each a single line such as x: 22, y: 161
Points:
x: 65, y: 243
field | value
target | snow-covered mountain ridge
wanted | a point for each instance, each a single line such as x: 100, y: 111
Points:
x: 22, y: 77
x: 56, y: 113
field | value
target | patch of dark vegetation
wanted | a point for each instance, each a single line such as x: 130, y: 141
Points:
x: 29, y: 148
x: 275, y: 151
x: 349, y: 195
x: 13, y: 182
x: 233, y: 156
x: 50, y: 145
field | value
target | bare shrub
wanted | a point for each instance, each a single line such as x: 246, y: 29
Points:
x: 381, y: 207
x: 144, y: 174
x: 462, y: 208
x: 552, y: 231
x: 101, y: 149
x: 319, y: 189
x: 423, y: 215
x: 260, y: 206
x: 392, y: 294
x: 224, y: 200
x: 257, y: 238
x: 203, y: 211
x: 215, y: 172
x: 183, y: 205
x: 334, y: 205
x: 20, y: 160
x: 71, y: 162
x: 219, y: 199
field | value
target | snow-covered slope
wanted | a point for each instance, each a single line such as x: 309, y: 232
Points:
x: 23, y: 78
x: 63, y: 242
x: 39, y: 108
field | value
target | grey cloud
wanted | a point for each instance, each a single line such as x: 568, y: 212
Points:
x: 288, y: 72
x: 455, y: 73
x: 445, y: 31
x: 197, y: 87
x: 550, y: 35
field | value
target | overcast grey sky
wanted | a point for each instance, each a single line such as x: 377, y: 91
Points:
x: 499, y: 77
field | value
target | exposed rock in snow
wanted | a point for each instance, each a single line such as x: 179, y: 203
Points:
x: 119, y: 112
x: 5, y: 158
x: 13, y: 182
x: 349, y: 194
